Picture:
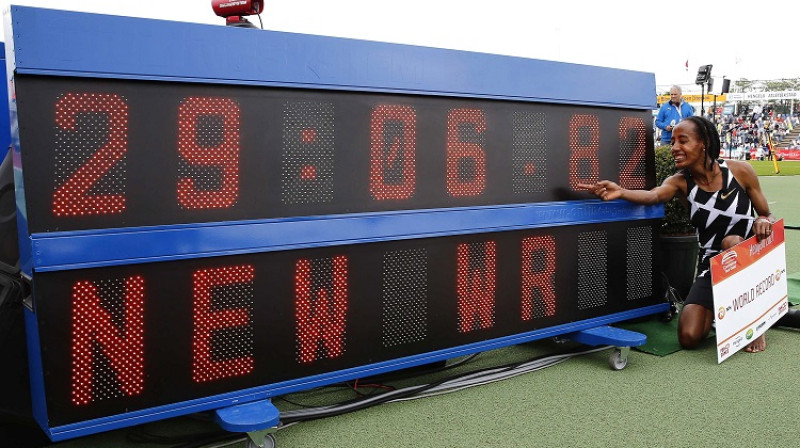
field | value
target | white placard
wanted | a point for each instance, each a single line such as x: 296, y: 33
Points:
x: 750, y: 290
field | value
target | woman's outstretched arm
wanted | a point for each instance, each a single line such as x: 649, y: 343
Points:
x: 607, y: 191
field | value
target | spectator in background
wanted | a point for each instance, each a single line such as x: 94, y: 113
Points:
x: 671, y: 113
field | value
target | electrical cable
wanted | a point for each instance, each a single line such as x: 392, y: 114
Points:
x: 384, y: 378
x: 479, y: 381
x: 443, y: 386
x: 482, y: 376
x: 283, y: 398
x: 408, y: 373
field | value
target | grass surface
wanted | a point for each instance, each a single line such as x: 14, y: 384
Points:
x: 767, y: 168
x: 781, y: 193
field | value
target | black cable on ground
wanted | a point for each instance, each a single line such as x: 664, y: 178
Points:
x: 289, y: 418
x: 363, y: 403
x: 383, y: 379
x: 416, y: 371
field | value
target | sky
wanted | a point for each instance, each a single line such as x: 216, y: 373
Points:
x: 642, y: 35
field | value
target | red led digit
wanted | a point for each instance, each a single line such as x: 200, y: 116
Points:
x: 466, y: 159
x: 223, y: 300
x: 119, y: 337
x: 392, y: 172
x: 538, y: 277
x: 107, y: 114
x: 584, y: 140
x: 321, y: 291
x: 632, y: 152
x: 208, y: 142
x: 475, y: 285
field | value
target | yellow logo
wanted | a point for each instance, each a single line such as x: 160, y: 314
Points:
x: 721, y: 313
x: 725, y: 196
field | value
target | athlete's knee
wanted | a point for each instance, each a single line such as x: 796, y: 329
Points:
x: 689, y: 338
x: 730, y: 241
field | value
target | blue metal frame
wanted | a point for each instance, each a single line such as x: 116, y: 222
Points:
x: 106, y: 247
x: 300, y: 384
x: 60, y: 43
x: 5, y: 131
x: 25, y: 249
x: 38, y: 402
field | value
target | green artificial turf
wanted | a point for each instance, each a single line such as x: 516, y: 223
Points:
x: 662, y: 337
x: 767, y: 168
x: 793, y: 283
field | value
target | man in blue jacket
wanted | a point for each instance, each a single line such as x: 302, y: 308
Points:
x: 671, y: 113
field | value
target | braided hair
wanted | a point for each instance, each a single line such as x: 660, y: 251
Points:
x: 710, y: 137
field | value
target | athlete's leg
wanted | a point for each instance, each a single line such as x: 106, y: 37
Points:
x: 694, y: 324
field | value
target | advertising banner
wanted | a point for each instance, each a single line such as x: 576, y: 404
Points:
x: 750, y: 290
x: 764, y: 96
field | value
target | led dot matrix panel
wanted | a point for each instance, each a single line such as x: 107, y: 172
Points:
x: 382, y: 144
x: 134, y: 153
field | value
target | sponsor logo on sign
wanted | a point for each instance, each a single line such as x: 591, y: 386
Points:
x: 721, y: 313
x: 760, y: 326
x: 778, y: 274
x: 729, y: 261
x: 783, y: 307
x: 749, y: 334
x: 724, y: 350
x: 738, y: 341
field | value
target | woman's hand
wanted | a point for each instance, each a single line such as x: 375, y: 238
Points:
x: 762, y: 226
x: 605, y: 190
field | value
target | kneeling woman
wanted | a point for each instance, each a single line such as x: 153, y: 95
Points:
x: 727, y: 206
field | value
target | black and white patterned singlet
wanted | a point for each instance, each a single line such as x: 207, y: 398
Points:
x: 718, y: 214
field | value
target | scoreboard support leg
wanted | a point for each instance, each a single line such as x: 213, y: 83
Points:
x: 622, y: 339
x: 259, y: 419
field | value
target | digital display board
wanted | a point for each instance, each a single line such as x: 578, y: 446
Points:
x: 115, y: 153
x: 130, y: 337
x: 106, y: 154
x: 425, y: 201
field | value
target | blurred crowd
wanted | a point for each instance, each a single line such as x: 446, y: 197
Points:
x: 752, y: 134
x: 757, y: 130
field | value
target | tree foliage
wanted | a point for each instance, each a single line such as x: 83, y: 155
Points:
x: 743, y: 84
x: 782, y: 85
x: 676, y: 214
x: 774, y: 85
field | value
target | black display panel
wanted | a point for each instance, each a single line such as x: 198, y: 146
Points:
x: 103, y: 153
x: 123, y: 338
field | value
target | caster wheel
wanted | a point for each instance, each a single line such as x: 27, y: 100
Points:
x: 617, y: 361
x: 269, y: 442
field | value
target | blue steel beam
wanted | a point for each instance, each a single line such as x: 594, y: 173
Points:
x: 61, y: 43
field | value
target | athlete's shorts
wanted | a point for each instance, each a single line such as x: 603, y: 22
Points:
x: 701, y: 292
